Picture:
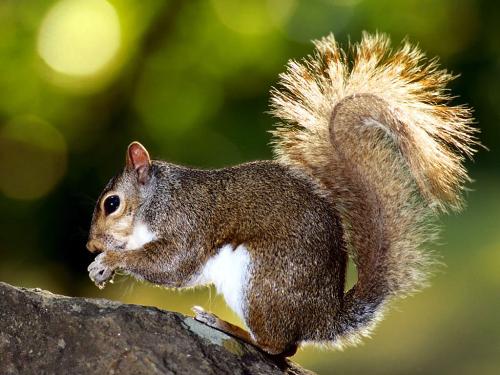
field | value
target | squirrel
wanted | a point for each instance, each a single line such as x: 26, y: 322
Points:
x: 368, y: 152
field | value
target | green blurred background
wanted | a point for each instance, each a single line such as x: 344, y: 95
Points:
x: 80, y: 79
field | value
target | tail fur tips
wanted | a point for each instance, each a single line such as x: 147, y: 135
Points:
x: 434, y: 135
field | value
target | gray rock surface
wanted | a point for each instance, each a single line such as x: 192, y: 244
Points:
x: 44, y: 333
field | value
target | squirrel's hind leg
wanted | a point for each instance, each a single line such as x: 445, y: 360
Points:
x: 214, y: 321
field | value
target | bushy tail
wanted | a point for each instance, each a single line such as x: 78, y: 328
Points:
x: 375, y: 127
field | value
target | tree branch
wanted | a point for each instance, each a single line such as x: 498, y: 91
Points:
x: 44, y: 333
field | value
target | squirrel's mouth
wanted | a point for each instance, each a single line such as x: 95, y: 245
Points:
x: 99, y: 245
x: 94, y: 246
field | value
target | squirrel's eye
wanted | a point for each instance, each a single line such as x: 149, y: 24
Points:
x: 111, y: 204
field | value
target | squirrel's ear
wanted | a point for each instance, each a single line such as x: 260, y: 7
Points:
x: 138, y: 160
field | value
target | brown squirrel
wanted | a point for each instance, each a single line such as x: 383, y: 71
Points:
x: 368, y: 152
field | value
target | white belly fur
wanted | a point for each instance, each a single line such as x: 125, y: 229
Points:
x: 228, y: 270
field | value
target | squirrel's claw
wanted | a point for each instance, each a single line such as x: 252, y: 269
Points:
x: 99, y: 272
x: 205, y: 317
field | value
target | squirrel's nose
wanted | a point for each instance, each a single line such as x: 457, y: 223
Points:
x: 94, y: 245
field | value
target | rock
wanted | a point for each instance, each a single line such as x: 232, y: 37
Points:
x: 44, y: 333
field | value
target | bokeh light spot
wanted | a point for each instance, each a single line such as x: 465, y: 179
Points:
x: 32, y: 158
x: 303, y: 21
x: 79, y: 37
x: 246, y: 17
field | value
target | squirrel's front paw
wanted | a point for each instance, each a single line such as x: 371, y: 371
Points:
x: 100, y: 272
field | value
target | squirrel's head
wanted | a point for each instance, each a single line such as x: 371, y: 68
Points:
x: 113, y: 223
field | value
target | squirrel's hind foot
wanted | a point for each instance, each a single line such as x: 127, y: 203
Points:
x: 214, y: 321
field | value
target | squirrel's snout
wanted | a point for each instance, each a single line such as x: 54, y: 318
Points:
x: 94, y: 245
